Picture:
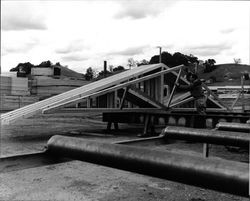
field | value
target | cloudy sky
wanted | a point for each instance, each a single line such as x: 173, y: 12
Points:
x: 84, y: 33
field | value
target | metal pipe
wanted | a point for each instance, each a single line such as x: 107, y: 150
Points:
x: 207, y: 136
x: 156, y: 140
x: 238, y: 127
x: 223, y: 175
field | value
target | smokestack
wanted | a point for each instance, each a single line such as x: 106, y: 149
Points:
x: 105, y: 68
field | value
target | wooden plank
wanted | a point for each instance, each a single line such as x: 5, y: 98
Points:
x: 181, y: 102
x: 39, y: 82
x: 14, y: 102
x: 173, y: 90
x: 5, y: 85
x: 161, y: 87
x: 157, y: 89
x: 115, y: 99
x: 219, y: 102
x: 123, y: 97
x: 242, y: 93
x: 180, y: 96
x: 42, y: 71
x: 146, y: 98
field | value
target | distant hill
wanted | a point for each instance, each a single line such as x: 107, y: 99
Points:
x: 227, y: 74
x: 66, y: 72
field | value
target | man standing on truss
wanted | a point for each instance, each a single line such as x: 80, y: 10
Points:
x: 195, y: 88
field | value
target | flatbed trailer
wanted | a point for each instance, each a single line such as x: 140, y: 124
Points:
x: 152, y: 117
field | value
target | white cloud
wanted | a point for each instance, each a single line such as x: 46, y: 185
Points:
x: 18, y: 45
x: 130, y: 51
x: 228, y: 30
x: 72, y: 46
x: 74, y: 57
x: 84, y: 33
x: 209, y: 49
x: 19, y: 16
x: 137, y: 9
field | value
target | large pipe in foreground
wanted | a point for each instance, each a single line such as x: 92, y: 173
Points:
x: 223, y: 175
x: 207, y: 136
x: 238, y: 127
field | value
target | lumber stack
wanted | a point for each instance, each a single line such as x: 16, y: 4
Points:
x: 229, y: 99
x: 5, y: 85
x: 10, y: 102
x: 14, y: 86
x: 42, y: 71
x: 19, y: 86
x: 44, y: 86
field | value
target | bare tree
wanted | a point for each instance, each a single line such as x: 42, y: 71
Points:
x: 111, y: 67
x: 237, y: 60
x: 131, y: 63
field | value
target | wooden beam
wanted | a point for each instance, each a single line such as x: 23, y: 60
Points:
x: 180, y: 97
x: 215, y: 96
x: 236, y: 100
x: 161, y: 86
x: 182, y: 102
x: 205, y: 150
x: 143, y: 96
x: 123, y: 97
x: 242, y: 93
x: 173, y: 90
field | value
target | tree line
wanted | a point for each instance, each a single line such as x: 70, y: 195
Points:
x: 167, y: 58
x: 26, y: 67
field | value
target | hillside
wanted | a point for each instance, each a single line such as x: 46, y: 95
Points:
x: 66, y: 72
x: 227, y: 74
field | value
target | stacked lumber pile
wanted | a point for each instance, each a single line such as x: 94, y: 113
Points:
x: 10, y: 102
x: 46, y: 86
x: 14, y: 86
x: 14, y: 92
x: 19, y: 86
x: 228, y: 100
x: 5, y: 85
x: 42, y: 71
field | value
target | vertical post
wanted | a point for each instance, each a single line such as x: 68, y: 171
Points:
x: 115, y: 99
x: 160, y: 54
x: 168, y: 90
x: 242, y: 93
x: 205, y: 150
x: 162, y: 86
x: 88, y: 102
x: 146, y: 124
x: 161, y: 77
